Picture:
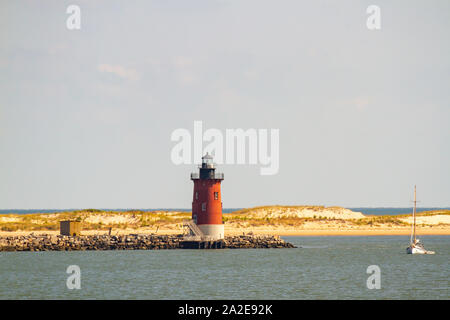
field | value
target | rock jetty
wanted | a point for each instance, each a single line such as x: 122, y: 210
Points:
x: 134, y: 242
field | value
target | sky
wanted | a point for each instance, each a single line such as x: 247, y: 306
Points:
x: 86, y: 116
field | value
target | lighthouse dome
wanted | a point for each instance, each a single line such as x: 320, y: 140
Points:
x: 207, y: 161
x: 207, y: 156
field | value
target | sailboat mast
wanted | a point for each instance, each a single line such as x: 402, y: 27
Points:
x: 414, y: 215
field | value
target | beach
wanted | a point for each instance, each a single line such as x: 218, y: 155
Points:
x: 280, y: 231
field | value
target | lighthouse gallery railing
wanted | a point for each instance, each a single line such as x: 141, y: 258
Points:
x: 217, y: 175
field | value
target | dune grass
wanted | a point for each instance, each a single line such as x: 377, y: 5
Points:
x: 94, y: 219
x: 276, y: 207
x: 379, y: 220
x: 104, y: 220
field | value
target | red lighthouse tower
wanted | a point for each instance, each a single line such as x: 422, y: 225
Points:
x: 207, y: 202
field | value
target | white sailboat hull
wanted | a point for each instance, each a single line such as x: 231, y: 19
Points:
x: 415, y: 250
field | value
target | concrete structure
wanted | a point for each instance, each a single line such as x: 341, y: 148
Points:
x: 207, y: 202
x: 70, y: 228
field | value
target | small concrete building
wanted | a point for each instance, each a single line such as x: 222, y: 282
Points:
x: 70, y: 228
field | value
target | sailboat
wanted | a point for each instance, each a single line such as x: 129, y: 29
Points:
x: 415, y: 246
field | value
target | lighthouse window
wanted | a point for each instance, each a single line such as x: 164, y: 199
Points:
x: 196, y: 195
x: 204, y: 206
x: 216, y: 196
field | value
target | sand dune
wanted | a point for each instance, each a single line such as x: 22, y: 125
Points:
x: 319, y: 212
x: 273, y: 220
x: 429, y: 220
x: 111, y: 219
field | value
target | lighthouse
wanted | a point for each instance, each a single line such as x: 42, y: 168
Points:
x: 207, y: 200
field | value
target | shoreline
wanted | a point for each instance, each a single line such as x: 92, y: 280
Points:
x: 344, y: 231
x: 337, y: 233
x: 267, y: 220
x: 253, y: 231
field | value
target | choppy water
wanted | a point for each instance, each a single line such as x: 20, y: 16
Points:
x: 324, y: 268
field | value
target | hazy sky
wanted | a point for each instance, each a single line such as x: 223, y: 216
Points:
x: 86, y: 115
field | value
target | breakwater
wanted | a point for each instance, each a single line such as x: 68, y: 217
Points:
x: 134, y: 242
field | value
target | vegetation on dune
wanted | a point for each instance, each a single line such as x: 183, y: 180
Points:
x: 379, y: 220
x: 91, y: 219
x: 94, y: 219
x: 425, y: 213
x: 276, y: 207
x: 247, y: 221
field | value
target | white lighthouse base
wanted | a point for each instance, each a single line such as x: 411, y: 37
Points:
x: 214, y: 231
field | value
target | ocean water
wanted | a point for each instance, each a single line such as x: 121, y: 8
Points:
x: 321, y: 268
x: 378, y: 211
